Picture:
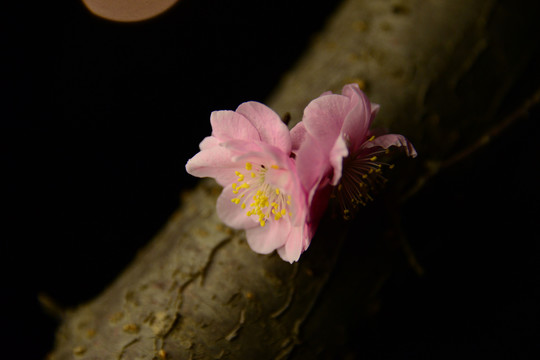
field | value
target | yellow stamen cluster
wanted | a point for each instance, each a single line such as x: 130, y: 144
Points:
x: 267, y: 201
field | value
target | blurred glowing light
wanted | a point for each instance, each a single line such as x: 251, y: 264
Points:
x: 128, y: 10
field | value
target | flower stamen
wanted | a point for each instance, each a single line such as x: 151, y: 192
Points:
x: 268, y: 202
x: 361, y: 176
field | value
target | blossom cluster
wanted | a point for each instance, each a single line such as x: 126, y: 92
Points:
x: 278, y: 182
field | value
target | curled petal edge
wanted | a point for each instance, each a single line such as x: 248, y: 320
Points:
x: 386, y: 141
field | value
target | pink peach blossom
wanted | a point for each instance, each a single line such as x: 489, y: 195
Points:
x: 249, y: 154
x: 335, y: 143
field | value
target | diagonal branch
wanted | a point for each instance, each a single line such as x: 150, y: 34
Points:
x: 410, y: 58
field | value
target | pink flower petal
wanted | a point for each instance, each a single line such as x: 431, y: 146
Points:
x: 281, y: 178
x: 228, y: 125
x: 298, y: 134
x: 286, y: 180
x: 213, y: 162
x: 307, y: 235
x: 386, y: 141
x: 232, y: 214
x: 374, y: 111
x: 265, y: 239
x: 268, y: 124
x: 319, y: 202
x: 311, y: 162
x: 239, y: 148
x: 358, y: 118
x: 258, y: 152
x: 337, y: 154
x: 294, y: 246
x: 323, y: 119
x: 208, y: 142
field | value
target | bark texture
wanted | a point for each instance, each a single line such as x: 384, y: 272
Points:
x: 198, y: 292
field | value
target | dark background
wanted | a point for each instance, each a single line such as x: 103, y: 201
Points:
x: 99, y: 119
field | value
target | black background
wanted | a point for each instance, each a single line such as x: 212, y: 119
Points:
x: 99, y: 119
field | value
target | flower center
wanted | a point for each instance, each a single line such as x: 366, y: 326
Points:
x: 267, y: 201
x: 361, y: 176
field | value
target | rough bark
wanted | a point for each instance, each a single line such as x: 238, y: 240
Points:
x: 198, y: 292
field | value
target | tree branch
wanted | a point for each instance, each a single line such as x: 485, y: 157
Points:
x: 198, y: 292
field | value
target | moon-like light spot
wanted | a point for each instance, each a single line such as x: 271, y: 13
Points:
x: 128, y: 10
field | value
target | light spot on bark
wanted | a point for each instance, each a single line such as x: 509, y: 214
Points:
x: 116, y: 317
x: 160, y: 320
x: 79, y: 350
x: 131, y: 328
